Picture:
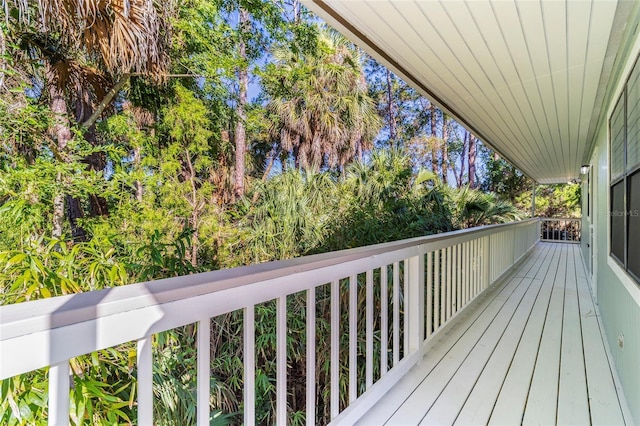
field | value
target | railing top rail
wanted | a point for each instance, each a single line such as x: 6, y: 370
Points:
x: 145, y: 308
x: 82, y: 306
x: 559, y: 218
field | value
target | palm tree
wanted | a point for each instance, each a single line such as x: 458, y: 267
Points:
x: 325, y: 117
x: 475, y: 208
x: 84, y: 47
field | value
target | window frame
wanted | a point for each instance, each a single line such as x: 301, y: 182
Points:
x: 623, y: 178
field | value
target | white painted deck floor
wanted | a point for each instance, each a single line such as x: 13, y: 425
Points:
x: 530, y: 352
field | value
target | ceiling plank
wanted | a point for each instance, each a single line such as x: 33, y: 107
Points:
x: 526, y: 77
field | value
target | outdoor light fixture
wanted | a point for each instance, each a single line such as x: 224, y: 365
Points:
x: 584, y: 169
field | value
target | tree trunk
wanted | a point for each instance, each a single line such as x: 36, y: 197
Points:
x: 445, y: 148
x: 58, y: 211
x: 195, y: 212
x: 62, y: 135
x: 463, y: 157
x: 391, y: 112
x: 90, y: 120
x: 241, y: 115
x: 434, y: 135
x: 137, y: 159
x: 95, y: 161
x: 295, y: 6
x: 472, y: 161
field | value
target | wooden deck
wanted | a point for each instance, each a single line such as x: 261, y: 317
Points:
x: 531, y: 352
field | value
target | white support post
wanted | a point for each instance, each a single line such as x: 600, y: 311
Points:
x: 59, y: 394
x: 335, y: 349
x: 396, y: 313
x: 311, y: 356
x: 353, y: 338
x: 533, y: 200
x: 415, y: 305
x: 145, y: 381
x: 281, y: 361
x: 249, y: 366
x: 384, y: 320
x: 204, y: 371
x: 369, y: 330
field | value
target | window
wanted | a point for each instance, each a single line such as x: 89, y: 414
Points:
x: 624, y: 125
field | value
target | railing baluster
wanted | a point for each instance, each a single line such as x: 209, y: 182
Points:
x: 353, y: 338
x: 478, y: 266
x: 486, y: 252
x: 443, y: 286
x: 492, y: 256
x: 474, y: 265
x: 436, y: 297
x: 405, y: 308
x: 59, y: 394
x: 480, y: 260
x: 249, y: 354
x: 384, y: 320
x: 500, y: 256
x: 204, y: 370
x: 396, y: 313
x: 429, y: 294
x: 465, y: 272
x: 415, y: 305
x: 145, y: 381
x: 559, y: 230
x: 281, y: 361
x: 311, y: 356
x: 458, y: 277
x: 449, y: 281
x: 369, y: 330
x: 335, y: 349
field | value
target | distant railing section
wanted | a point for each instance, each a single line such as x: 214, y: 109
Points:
x: 565, y: 230
x: 391, y: 298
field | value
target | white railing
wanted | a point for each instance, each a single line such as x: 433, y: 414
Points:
x: 419, y: 285
x: 566, y: 230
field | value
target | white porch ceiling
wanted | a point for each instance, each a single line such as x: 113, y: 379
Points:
x: 527, y: 77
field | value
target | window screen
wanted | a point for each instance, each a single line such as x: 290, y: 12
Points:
x: 633, y: 250
x: 618, y: 214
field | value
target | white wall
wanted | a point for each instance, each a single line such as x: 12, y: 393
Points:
x: 618, y: 296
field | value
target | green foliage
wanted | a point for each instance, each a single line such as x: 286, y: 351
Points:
x: 54, y: 269
x: 23, y: 127
x: 561, y: 200
x: 24, y: 400
x: 504, y: 179
x: 159, y: 164
x: 291, y: 215
x: 174, y: 382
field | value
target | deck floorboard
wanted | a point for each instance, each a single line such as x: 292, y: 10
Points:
x: 531, y: 351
